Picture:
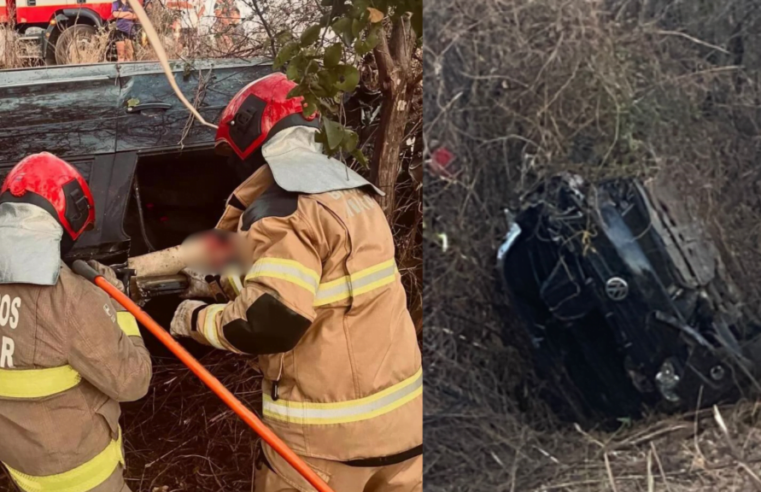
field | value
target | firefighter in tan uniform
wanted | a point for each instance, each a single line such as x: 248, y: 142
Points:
x: 67, y: 355
x: 321, y: 304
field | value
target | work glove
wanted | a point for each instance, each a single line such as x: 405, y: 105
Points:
x: 108, y: 273
x: 182, y: 323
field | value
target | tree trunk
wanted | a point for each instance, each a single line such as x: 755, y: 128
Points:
x: 393, y: 58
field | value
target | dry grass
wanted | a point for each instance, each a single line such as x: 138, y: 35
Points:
x: 9, y: 50
x: 85, y: 49
x: 518, y: 90
x: 182, y: 437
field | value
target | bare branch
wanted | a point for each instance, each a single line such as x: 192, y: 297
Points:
x: 255, y: 5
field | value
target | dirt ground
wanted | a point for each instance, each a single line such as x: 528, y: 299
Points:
x: 516, y: 90
x: 182, y: 438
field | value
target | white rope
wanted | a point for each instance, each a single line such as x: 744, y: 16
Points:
x: 153, y: 37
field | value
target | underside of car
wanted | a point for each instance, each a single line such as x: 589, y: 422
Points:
x: 625, y: 300
x: 152, y: 170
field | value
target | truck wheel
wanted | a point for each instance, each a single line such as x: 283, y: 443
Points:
x: 78, y: 44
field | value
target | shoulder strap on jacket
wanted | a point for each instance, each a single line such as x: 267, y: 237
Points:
x: 275, y: 202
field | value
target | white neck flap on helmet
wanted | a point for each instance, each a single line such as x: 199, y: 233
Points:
x: 298, y: 164
x: 30, y: 245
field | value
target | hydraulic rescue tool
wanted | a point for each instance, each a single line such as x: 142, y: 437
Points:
x: 83, y: 269
x: 163, y: 272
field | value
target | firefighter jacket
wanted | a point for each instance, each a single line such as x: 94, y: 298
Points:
x: 324, y: 308
x: 67, y: 357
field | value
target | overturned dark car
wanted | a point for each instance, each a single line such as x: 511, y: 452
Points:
x: 153, y: 172
x: 625, y: 300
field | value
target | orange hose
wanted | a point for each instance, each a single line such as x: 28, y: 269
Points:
x: 213, y: 383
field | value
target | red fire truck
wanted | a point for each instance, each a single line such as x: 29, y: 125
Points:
x: 51, y: 29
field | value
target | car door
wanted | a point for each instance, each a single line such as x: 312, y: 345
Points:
x: 151, y: 116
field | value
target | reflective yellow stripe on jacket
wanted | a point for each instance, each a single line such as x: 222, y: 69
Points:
x: 346, y: 411
x: 127, y: 323
x: 352, y: 285
x: 357, y: 283
x: 37, y: 383
x: 288, y: 270
x: 83, y: 477
x: 209, y: 328
x: 235, y: 283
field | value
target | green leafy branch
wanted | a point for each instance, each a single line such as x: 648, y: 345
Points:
x: 324, y: 73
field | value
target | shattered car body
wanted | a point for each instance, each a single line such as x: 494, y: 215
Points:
x: 625, y: 300
x: 152, y: 169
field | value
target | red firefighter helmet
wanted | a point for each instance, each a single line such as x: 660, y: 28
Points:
x: 55, y: 185
x: 257, y: 112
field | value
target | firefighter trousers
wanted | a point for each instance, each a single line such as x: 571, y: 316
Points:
x: 277, y: 476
